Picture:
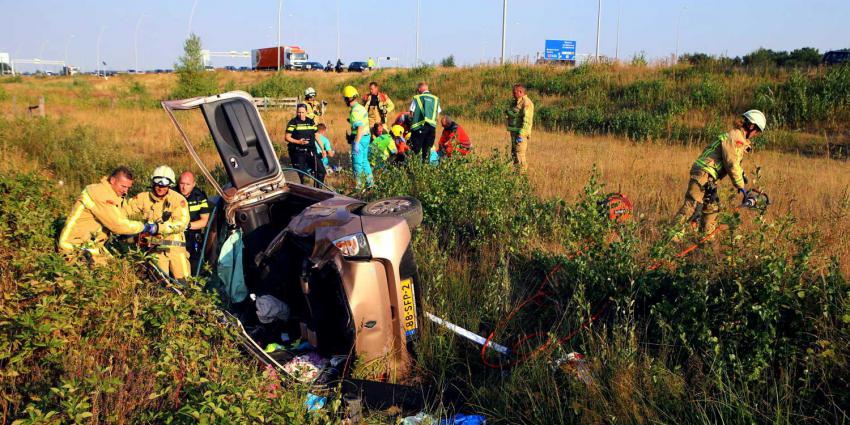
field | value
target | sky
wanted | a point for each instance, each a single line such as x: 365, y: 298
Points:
x: 468, y: 29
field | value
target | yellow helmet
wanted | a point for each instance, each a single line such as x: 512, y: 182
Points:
x: 349, y: 92
x: 397, y: 130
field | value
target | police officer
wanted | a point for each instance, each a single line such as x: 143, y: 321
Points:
x: 199, y: 215
x: 169, y: 211
x: 97, y: 212
x: 301, y: 140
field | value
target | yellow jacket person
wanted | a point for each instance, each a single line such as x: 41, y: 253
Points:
x: 520, y: 118
x: 168, y: 211
x: 721, y: 158
x: 97, y: 212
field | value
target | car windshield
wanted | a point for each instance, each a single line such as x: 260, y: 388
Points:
x: 298, y: 56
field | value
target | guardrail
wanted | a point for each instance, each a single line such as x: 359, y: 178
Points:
x: 281, y: 102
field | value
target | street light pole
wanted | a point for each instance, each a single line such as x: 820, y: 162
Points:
x: 504, y: 29
x: 337, y: 29
x: 617, y: 49
x: 678, y: 24
x: 67, y: 42
x: 99, y: 36
x: 417, y: 31
x: 598, y: 27
x: 136, y: 42
x: 279, y: 9
x: 191, y: 17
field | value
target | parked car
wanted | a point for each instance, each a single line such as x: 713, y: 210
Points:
x: 313, y: 66
x: 836, y: 57
x: 358, y: 66
x: 343, y: 268
x: 244, y: 68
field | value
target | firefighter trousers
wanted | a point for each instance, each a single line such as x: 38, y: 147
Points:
x: 174, y: 260
x: 695, y: 195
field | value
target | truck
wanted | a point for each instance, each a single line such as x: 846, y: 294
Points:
x: 291, y: 57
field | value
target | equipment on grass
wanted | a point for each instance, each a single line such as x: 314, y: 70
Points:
x: 617, y: 207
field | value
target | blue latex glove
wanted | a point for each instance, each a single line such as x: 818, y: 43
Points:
x: 150, y: 228
x: 518, y: 140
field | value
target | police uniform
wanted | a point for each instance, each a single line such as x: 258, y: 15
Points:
x: 198, y: 206
x: 96, y: 212
x: 171, y: 214
x: 303, y: 157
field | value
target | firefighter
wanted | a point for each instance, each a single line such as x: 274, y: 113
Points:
x: 400, y: 143
x: 359, y: 138
x: 301, y: 145
x: 169, y: 211
x: 378, y: 105
x: 199, y: 215
x: 97, y: 212
x: 423, y: 110
x: 722, y: 157
x: 520, y: 117
x: 315, y: 108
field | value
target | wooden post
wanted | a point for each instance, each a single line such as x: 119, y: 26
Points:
x: 41, y: 106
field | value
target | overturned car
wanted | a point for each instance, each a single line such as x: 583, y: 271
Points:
x: 307, y: 274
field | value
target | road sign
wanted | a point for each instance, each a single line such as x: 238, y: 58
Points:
x: 560, y: 50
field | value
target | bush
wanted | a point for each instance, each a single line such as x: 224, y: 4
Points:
x: 448, y: 61
x: 279, y: 85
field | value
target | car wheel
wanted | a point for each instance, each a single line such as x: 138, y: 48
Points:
x: 406, y: 207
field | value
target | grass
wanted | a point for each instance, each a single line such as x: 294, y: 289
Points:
x: 726, y: 336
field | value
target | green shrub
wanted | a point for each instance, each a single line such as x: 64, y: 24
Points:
x: 448, y: 61
x: 192, y: 78
x: 279, y: 85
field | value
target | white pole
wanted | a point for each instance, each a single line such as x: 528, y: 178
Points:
x: 136, y: 42
x: 67, y: 42
x: 99, y: 36
x: 191, y: 17
x: 617, y: 49
x: 678, y: 24
x: 279, y: 9
x: 337, y: 29
x: 504, y: 29
x: 417, y: 32
x: 598, y: 28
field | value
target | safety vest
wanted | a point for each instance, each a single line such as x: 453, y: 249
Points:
x: 426, y: 110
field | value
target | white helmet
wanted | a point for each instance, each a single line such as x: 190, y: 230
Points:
x: 310, y: 92
x: 756, y: 117
x: 163, y: 176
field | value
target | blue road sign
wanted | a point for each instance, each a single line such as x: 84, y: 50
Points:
x: 560, y: 50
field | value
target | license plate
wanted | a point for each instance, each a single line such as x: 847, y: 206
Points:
x: 408, y: 307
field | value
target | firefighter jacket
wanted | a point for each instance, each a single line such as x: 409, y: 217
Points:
x: 170, y: 213
x: 314, y: 109
x: 98, y: 207
x: 379, y: 110
x: 723, y: 157
x: 520, y: 117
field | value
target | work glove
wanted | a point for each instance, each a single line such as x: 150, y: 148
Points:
x: 150, y: 228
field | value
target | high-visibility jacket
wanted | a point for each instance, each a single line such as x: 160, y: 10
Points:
x: 724, y: 156
x: 314, y: 109
x: 98, y: 207
x: 521, y: 116
x: 378, y: 114
x: 454, y: 138
x: 170, y: 213
x: 381, y: 148
x: 426, y: 110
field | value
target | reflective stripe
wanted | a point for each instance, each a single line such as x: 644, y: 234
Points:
x: 86, y: 199
x: 72, y: 221
x: 427, y: 118
x: 198, y: 207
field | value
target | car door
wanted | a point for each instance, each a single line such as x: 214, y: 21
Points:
x: 241, y: 140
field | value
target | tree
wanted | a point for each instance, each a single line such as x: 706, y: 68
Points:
x: 192, y: 79
x: 448, y: 62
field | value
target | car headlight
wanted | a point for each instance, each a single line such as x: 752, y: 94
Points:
x: 354, y: 246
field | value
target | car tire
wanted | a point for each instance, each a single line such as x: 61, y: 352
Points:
x: 406, y: 207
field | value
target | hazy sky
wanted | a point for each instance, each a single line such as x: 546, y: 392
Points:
x: 468, y: 29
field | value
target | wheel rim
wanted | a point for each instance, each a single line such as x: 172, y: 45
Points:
x: 388, y: 206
